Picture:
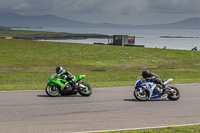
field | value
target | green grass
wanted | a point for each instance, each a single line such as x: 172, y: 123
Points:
x: 21, y: 33
x: 27, y: 65
x: 186, y: 129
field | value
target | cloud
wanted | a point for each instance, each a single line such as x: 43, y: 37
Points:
x: 70, y: 6
x: 174, y: 6
x: 125, y: 7
x: 112, y: 11
x: 86, y: 6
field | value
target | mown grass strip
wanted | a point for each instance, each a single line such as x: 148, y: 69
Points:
x: 27, y: 65
x: 185, y: 129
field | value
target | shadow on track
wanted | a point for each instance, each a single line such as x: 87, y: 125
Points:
x: 130, y: 100
x: 42, y: 96
x: 60, y: 96
x: 135, y: 100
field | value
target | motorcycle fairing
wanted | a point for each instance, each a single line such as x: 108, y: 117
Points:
x: 79, y: 78
x: 58, y: 81
x: 149, y: 86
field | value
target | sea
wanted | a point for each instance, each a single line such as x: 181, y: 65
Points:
x: 152, y: 38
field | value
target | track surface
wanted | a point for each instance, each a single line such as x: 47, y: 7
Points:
x: 105, y: 109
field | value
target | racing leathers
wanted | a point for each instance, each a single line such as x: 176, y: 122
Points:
x: 156, y: 79
x: 69, y: 78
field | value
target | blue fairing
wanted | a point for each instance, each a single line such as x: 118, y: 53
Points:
x: 156, y: 95
x: 146, y: 85
x: 139, y: 83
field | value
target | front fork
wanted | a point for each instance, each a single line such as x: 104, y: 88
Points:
x: 141, y: 90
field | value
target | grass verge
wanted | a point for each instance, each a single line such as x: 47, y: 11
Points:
x: 27, y: 65
x: 185, y: 129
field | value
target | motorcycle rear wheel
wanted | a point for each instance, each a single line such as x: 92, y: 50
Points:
x: 52, y: 92
x: 139, y: 96
x: 85, y: 91
x: 175, y: 96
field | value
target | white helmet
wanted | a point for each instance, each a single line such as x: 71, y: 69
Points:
x: 59, y: 70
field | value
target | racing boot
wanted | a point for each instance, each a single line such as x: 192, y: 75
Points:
x: 163, y: 89
x: 67, y: 87
x: 74, y: 85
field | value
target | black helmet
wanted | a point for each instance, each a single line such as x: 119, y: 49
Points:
x: 145, y: 73
x: 59, y: 70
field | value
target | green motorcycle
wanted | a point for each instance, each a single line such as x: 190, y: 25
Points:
x: 59, y: 86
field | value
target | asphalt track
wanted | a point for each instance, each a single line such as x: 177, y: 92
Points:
x: 106, y: 109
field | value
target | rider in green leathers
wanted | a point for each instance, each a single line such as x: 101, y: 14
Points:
x: 60, y: 71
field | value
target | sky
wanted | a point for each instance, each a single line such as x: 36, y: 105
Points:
x: 108, y: 11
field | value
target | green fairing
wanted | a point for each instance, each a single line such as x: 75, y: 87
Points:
x: 57, y: 81
x: 80, y: 77
x: 62, y: 82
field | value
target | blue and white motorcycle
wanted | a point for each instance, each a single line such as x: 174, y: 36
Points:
x: 145, y: 90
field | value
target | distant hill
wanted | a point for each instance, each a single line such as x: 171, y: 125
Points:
x: 190, y: 23
x: 16, y: 20
x: 4, y: 28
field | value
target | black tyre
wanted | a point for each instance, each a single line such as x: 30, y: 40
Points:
x: 141, y: 96
x: 52, y: 91
x: 87, y: 91
x: 175, y: 96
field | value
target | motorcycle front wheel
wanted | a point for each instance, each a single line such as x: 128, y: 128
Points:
x: 52, y: 91
x: 86, y: 91
x: 175, y: 95
x: 141, y: 96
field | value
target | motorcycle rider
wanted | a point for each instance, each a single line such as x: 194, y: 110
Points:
x: 153, y: 77
x: 60, y: 71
